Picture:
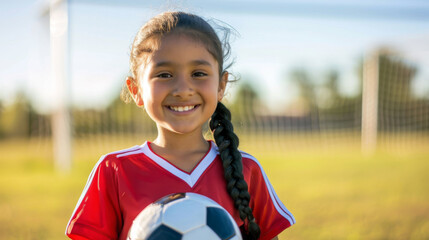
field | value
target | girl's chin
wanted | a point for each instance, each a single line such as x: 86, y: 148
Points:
x: 182, y: 129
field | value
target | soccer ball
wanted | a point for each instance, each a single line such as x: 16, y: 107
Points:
x: 186, y: 216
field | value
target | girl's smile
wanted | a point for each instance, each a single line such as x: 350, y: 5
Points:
x: 183, y: 109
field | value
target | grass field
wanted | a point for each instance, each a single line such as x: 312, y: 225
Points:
x: 333, y: 192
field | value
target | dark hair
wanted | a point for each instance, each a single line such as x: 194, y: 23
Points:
x: 227, y: 141
x: 147, y: 41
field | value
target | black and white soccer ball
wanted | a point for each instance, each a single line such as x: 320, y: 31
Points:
x: 185, y: 216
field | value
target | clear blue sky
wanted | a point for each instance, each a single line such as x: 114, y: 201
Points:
x: 275, y: 37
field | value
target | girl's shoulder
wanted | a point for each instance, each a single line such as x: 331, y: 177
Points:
x: 249, y: 159
x: 116, y: 157
x: 251, y: 163
x: 121, y: 153
x: 248, y: 156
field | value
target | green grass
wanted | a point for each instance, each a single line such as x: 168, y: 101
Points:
x: 333, y: 192
x: 348, y: 197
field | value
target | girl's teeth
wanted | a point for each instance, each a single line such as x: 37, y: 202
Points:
x: 182, y: 109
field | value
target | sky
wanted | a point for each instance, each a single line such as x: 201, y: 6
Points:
x: 274, y: 37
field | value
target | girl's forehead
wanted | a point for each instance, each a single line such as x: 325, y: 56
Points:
x: 175, y: 40
x: 180, y: 48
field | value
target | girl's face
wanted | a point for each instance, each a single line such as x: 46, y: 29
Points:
x: 180, y: 85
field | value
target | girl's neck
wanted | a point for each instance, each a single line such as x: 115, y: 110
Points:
x: 184, y: 151
x: 180, y: 143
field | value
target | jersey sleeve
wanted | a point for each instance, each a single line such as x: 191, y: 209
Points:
x: 269, y: 212
x: 97, y: 214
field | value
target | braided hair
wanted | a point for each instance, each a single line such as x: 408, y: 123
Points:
x: 227, y: 141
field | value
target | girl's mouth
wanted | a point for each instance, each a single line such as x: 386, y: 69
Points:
x: 182, y: 108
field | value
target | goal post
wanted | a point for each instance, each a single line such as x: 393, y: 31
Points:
x: 61, y: 129
x: 370, y: 103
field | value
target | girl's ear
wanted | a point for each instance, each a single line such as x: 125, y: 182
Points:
x: 134, y: 90
x: 222, y: 85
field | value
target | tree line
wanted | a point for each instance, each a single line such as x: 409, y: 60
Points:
x: 323, y: 107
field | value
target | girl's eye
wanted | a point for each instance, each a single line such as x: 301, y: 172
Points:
x: 164, y: 75
x: 199, y: 74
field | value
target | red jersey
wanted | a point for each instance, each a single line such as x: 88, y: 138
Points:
x: 123, y: 183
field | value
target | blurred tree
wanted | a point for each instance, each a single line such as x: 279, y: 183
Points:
x: 117, y: 118
x: 395, y: 78
x: 15, y: 117
x: 308, y: 97
x: 399, y: 108
x: 306, y: 88
x: 338, y: 111
x: 246, y: 106
x: 246, y: 101
x: 332, y: 85
x: 127, y: 117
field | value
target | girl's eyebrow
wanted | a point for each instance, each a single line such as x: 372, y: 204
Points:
x: 200, y: 62
x: 163, y: 64
x: 193, y: 63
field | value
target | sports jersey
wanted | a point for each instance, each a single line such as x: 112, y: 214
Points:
x: 123, y: 183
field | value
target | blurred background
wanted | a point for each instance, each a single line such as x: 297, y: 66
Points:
x: 332, y: 98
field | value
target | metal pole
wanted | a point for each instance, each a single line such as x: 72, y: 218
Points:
x: 370, y: 103
x: 61, y: 132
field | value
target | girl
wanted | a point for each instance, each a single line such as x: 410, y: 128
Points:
x: 179, y: 77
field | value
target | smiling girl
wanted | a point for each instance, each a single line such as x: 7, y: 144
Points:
x: 179, y: 77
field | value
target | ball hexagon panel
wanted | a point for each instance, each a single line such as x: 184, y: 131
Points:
x: 164, y: 232
x: 193, y: 211
x: 219, y: 221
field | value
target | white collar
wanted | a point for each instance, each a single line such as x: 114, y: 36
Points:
x: 190, y: 178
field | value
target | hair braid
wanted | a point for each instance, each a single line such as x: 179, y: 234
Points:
x: 227, y: 141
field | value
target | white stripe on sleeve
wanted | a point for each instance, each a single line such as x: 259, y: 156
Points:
x: 280, y: 207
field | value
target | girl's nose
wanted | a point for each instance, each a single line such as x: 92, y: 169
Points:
x: 183, y: 87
